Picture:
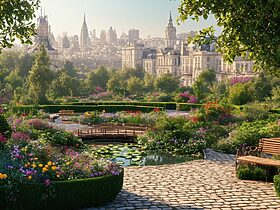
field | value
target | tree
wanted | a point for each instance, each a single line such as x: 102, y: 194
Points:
x: 249, y: 28
x: 98, y: 77
x: 16, y: 21
x: 149, y: 81
x: 39, y: 77
x: 240, y: 94
x: 262, y: 87
x: 135, y: 85
x: 204, y: 83
x: 167, y: 83
x: 70, y: 69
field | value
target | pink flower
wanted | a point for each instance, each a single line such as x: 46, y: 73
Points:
x: 20, y: 136
x: 3, y: 139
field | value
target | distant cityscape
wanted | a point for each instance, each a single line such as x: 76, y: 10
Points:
x: 156, y: 55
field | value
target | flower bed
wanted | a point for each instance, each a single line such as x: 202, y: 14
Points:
x: 70, y: 194
x: 45, y: 168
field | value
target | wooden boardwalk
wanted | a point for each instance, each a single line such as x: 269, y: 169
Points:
x: 111, y: 131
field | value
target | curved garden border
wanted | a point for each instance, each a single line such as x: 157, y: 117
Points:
x: 71, y: 194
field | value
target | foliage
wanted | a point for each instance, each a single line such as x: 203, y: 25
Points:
x: 5, y: 128
x: 167, y: 83
x: 38, y: 163
x: 98, y: 78
x: 16, y: 21
x: 248, y: 29
x: 240, y: 94
x: 39, y: 77
x: 204, y: 83
x: 135, y: 85
x: 262, y: 87
x: 174, y: 134
x: 215, y: 113
x: 249, y: 133
x: 276, y: 181
x: 251, y: 173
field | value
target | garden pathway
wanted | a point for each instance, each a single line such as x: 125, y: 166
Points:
x: 201, y: 184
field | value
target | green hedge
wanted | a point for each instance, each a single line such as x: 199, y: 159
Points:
x: 187, y: 106
x: 276, y: 111
x: 166, y: 105
x: 83, y: 108
x: 72, y: 194
x: 259, y: 173
x: 276, y: 180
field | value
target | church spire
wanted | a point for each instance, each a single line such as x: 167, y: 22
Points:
x: 84, y: 17
x: 170, y: 24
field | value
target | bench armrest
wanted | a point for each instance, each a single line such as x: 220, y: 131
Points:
x: 248, y: 150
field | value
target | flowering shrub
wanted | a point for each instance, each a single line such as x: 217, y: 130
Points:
x: 215, y: 113
x: 20, y: 136
x: 239, y: 80
x: 186, y: 97
x: 37, y: 124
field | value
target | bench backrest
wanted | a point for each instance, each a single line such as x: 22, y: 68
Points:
x: 270, y: 146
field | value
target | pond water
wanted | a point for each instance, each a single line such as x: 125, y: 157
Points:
x: 133, y: 155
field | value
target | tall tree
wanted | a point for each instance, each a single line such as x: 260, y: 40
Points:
x: 16, y: 21
x: 135, y: 85
x: 40, y: 77
x: 167, y: 83
x: 98, y: 77
x: 249, y: 28
x: 70, y: 69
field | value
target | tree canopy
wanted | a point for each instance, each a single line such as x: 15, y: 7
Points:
x: 16, y: 21
x: 249, y: 28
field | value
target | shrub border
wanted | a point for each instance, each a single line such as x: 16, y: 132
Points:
x: 71, y: 194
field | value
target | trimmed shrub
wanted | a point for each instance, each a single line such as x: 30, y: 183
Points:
x: 5, y: 128
x: 276, y: 181
x: 251, y: 173
x: 72, y: 194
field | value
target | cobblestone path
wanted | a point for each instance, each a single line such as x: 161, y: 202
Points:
x: 202, y: 184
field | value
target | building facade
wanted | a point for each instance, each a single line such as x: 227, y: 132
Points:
x: 132, y: 55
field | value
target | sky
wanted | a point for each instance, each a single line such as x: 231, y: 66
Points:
x: 150, y: 17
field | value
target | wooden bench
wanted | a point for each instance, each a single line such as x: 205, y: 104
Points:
x: 260, y: 155
x: 65, y: 114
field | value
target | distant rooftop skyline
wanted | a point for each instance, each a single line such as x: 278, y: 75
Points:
x: 150, y: 17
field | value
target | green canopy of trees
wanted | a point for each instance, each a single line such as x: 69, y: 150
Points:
x: 16, y: 21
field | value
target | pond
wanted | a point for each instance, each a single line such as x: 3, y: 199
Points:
x: 133, y: 155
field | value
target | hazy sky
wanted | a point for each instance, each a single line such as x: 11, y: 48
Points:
x: 149, y: 16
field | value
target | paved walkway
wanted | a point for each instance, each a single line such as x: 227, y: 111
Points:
x: 203, y: 184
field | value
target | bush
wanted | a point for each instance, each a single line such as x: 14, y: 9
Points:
x: 276, y: 181
x: 240, y: 94
x: 251, y: 173
x: 72, y: 194
x: 5, y: 128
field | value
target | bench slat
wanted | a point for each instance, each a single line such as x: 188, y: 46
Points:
x: 259, y: 160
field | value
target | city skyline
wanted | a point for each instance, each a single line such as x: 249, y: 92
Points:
x: 149, y: 17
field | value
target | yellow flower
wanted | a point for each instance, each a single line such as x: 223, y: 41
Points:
x: 46, y: 166
x: 40, y: 165
x: 35, y: 158
x: 29, y: 177
x: 3, y: 176
x: 57, y: 175
x: 45, y: 169
x: 33, y: 165
x: 68, y: 163
x: 53, y: 168
x: 50, y: 163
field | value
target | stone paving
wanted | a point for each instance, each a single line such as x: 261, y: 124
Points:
x: 198, y: 185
